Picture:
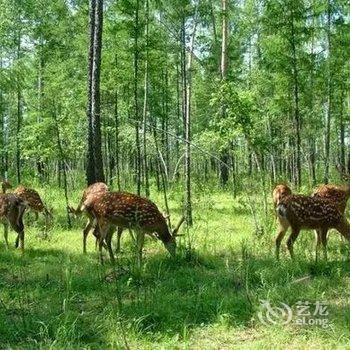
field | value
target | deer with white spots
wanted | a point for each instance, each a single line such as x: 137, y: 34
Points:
x: 35, y: 202
x: 305, y: 212
x: 91, y: 193
x: 279, y: 192
x: 339, y: 195
x: 12, y: 209
x: 127, y: 210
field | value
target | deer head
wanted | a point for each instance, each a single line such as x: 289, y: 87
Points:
x: 169, y: 241
x: 5, y: 185
x: 279, y: 192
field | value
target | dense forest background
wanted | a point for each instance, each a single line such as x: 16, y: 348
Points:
x: 225, y: 93
x: 200, y: 105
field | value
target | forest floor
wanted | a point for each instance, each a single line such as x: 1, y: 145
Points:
x: 209, y: 297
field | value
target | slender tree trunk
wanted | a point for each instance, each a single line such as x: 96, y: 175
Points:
x: 342, y: 133
x: 145, y: 108
x: 116, y: 130
x: 19, y: 114
x: 329, y: 97
x: 63, y: 162
x: 136, y: 103
x: 2, y: 130
x: 187, y: 126
x: 95, y: 92
x: 224, y: 156
x: 90, y: 167
x: 297, y: 118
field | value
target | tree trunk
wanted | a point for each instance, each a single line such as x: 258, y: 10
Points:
x: 19, y: 115
x: 63, y: 162
x: 136, y: 103
x: 90, y: 167
x: 95, y: 90
x: 329, y: 98
x: 116, y: 130
x: 187, y: 125
x: 297, y: 118
x: 145, y: 109
x: 95, y: 171
x: 224, y: 156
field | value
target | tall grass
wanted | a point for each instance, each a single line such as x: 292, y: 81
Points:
x: 54, y: 297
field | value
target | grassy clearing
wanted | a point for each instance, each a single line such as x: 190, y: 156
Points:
x: 208, y: 297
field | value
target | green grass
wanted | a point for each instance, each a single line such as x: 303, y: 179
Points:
x: 54, y: 297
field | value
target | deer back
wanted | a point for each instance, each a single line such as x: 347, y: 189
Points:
x: 92, y: 191
x: 309, y: 212
x: 130, y: 211
x: 338, y: 194
x: 30, y: 196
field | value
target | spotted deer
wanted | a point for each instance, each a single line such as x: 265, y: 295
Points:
x: 12, y: 209
x: 306, y: 212
x: 127, y: 210
x: 339, y: 195
x: 34, y: 201
x: 92, y: 193
x: 279, y: 192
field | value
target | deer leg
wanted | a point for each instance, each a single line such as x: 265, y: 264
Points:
x: 291, y: 239
x: 318, y: 243
x: 6, y: 233
x: 36, y: 216
x: 20, y: 240
x: 140, y: 238
x: 283, y: 227
x: 96, y: 233
x: 324, y: 243
x: 103, y: 228
x: 119, y: 234
x: 46, y: 218
x: 108, y: 239
x: 85, y: 234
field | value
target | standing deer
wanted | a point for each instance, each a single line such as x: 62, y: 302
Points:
x: 12, y: 209
x: 34, y: 201
x: 304, y: 212
x: 279, y: 192
x: 92, y: 193
x: 339, y: 195
x: 127, y: 210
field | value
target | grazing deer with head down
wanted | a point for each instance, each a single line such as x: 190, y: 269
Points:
x: 92, y: 193
x: 127, y: 210
x: 12, y: 209
x: 304, y: 212
x: 34, y: 201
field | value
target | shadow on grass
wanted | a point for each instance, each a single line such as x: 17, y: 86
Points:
x: 50, y: 295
